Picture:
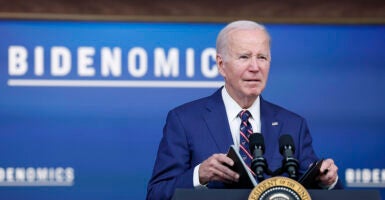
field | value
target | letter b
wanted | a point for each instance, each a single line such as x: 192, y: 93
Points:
x: 17, y: 61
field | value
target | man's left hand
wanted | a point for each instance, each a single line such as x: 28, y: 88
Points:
x: 328, y: 174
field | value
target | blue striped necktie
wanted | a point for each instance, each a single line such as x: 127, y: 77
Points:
x: 245, y: 131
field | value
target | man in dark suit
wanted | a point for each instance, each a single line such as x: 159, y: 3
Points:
x: 197, y: 135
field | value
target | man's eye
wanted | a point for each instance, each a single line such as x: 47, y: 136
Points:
x: 262, y: 57
x: 243, y: 57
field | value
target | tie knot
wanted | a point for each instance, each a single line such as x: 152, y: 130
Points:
x: 244, y: 115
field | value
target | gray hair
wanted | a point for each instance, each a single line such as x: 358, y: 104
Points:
x: 222, y: 38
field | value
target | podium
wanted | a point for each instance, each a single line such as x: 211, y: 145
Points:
x: 243, y: 194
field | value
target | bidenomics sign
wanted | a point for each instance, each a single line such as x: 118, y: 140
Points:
x: 113, y: 55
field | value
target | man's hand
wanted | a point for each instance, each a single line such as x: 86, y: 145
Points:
x: 328, y: 174
x: 215, y: 169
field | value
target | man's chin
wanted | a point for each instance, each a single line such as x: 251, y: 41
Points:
x: 253, y: 94
x: 254, y: 91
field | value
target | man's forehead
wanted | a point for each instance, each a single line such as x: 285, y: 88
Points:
x: 248, y: 34
x: 248, y: 37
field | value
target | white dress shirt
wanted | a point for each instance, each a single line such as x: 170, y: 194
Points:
x: 232, y: 111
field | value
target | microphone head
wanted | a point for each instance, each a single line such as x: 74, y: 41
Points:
x: 256, y: 140
x: 284, y: 141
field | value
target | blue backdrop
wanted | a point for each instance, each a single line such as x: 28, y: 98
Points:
x: 69, y: 124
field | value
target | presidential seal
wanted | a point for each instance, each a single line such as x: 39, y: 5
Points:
x: 279, y: 188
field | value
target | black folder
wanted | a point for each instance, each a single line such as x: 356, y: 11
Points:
x: 246, y: 179
x: 309, y: 179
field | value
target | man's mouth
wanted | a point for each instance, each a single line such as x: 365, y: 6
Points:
x: 252, y: 80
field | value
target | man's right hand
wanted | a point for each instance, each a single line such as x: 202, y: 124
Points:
x: 215, y: 169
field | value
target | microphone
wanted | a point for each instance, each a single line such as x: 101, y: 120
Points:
x: 257, y: 149
x: 287, y: 149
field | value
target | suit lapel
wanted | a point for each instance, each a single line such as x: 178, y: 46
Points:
x: 270, y: 127
x: 217, y: 122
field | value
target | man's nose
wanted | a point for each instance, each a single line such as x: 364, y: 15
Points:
x: 254, y: 65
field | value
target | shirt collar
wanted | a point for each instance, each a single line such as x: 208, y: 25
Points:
x: 232, y: 107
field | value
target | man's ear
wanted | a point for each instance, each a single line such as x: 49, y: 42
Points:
x: 220, y: 65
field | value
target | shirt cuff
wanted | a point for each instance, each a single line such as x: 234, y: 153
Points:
x: 196, y: 183
x: 333, y: 185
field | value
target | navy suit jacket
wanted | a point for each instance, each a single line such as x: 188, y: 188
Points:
x: 198, y: 129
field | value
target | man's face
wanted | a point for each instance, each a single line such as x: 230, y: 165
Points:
x: 246, y: 63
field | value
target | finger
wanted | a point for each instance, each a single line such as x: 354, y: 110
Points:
x: 222, y: 158
x: 228, y: 172
x: 207, y: 170
x: 328, y: 181
x: 330, y: 172
x: 221, y: 166
x: 326, y: 164
x: 214, y: 169
x: 215, y: 173
x: 223, y: 176
x: 330, y: 177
